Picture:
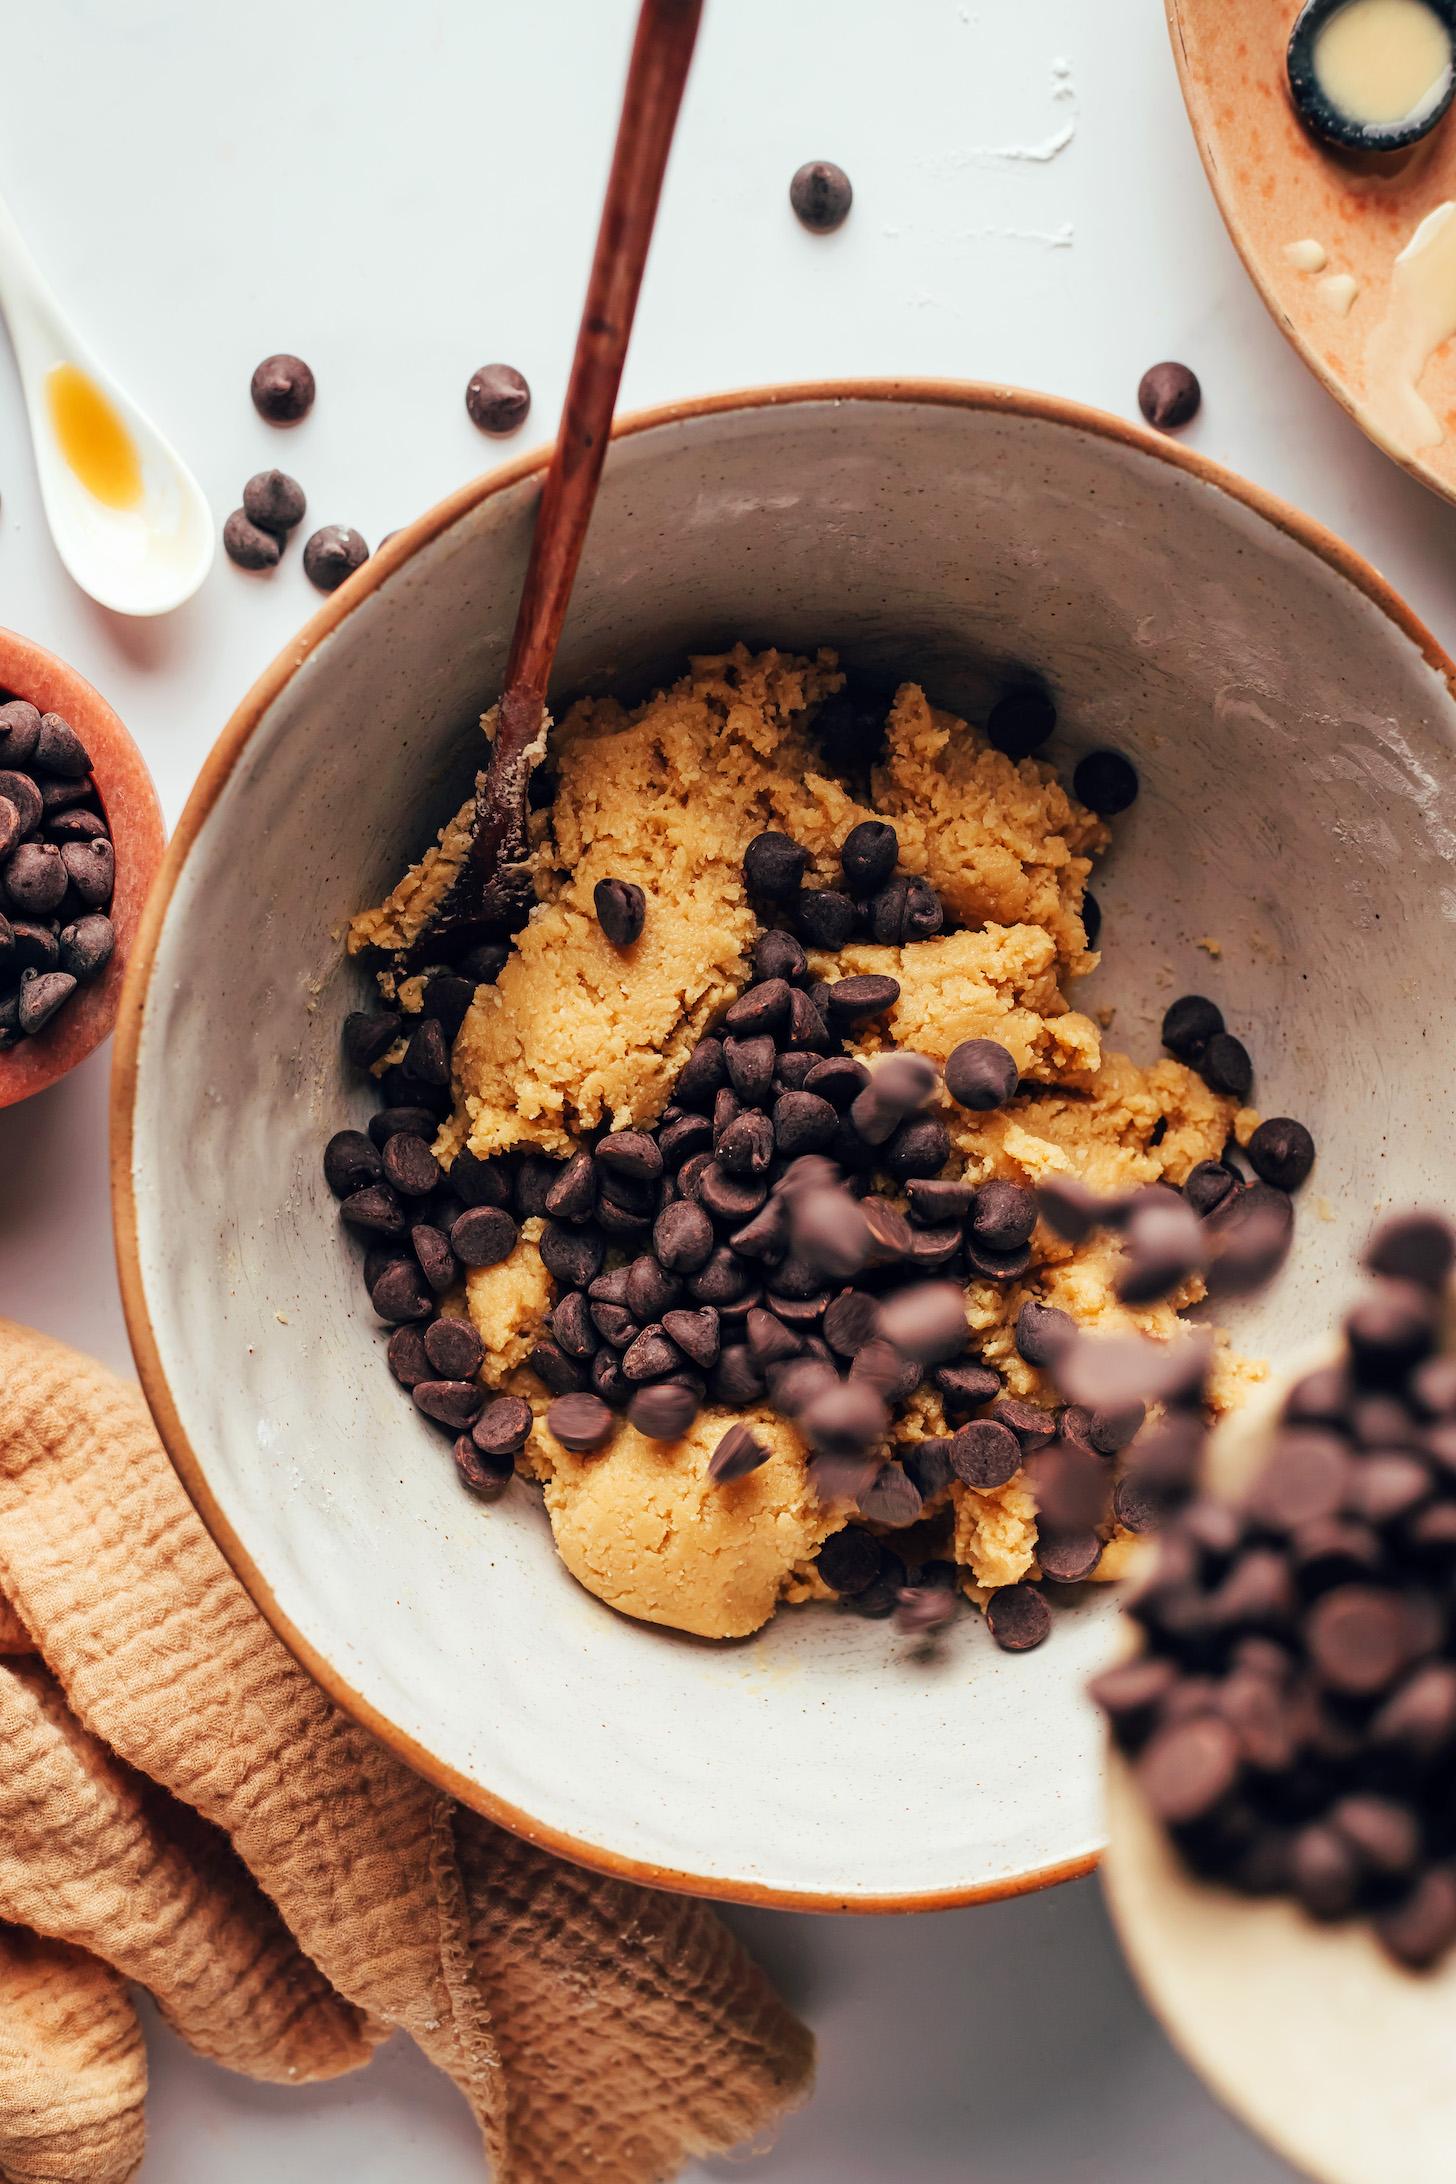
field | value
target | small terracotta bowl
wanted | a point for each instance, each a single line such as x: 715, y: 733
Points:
x: 134, y: 818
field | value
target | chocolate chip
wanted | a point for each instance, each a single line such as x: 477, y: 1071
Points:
x: 630, y: 1153
x: 59, y: 750
x: 1003, y: 1215
x: 1208, y: 1184
x: 1165, y: 1245
x: 830, y: 1232
x: 702, y: 1075
x: 1254, y: 1228
x: 410, y: 1166
x: 1068, y: 1557
x: 1021, y: 721
x: 1281, y: 1152
x: 803, y: 1123
x: 1188, y: 1769
x: 621, y: 911
x: 1041, y: 1331
x: 926, y: 1321
x: 86, y: 946
x: 750, y: 1066
x: 41, y: 997
x: 486, y: 1235
x: 33, y: 947
x: 438, y: 1263
x: 1419, y: 1929
x: 856, y: 1000
x: 1091, y: 917
x: 760, y: 1008
x: 351, y: 1161
x: 485, y: 1476
x: 1137, y: 1503
x: 369, y: 1034
x: 650, y: 1289
x: 838, y: 1080
x: 682, y: 1237
x: 850, y: 1321
x: 572, y: 1326
x: 745, y: 1147
x: 401, y: 1293
x: 996, y: 1266
x: 1225, y: 1066
x: 849, y: 1561
x: 965, y: 1386
x: 980, y: 1074
x: 919, y: 1148
x: 906, y: 910
x: 454, y: 1349
x: 887, y: 1370
x: 779, y: 955
x: 985, y: 1454
x: 892, y: 1498
x: 652, y: 1356
x: 453, y: 1403
x: 774, y: 867
x: 738, y: 1453
x: 1304, y: 1478
x: 19, y: 732
x: 573, y: 1194
x: 561, y: 1374
x: 273, y: 501
x: 664, y: 1411
x: 928, y: 1464
x: 1413, y: 1247
x: 18, y: 789
x: 408, y: 1360
x: 824, y: 918
x: 283, y: 389
x: 503, y: 1426
x: 1359, y: 1639
x: 731, y: 1199
x: 75, y: 826
x: 427, y: 1056
x: 697, y: 1334
x: 331, y: 555
x: 821, y: 196
x: 721, y: 1281
x: 447, y: 997
x: 35, y: 878
x: 1111, y: 1430
x: 1018, y: 1618
x: 1033, y: 1426
x: 580, y: 1422
x: 247, y: 545
x: 899, y: 1086
x: 1417, y: 1722
x: 1169, y: 395
x: 9, y: 826
x: 1389, y: 1331
x: 869, y: 856
x: 497, y: 398
x: 59, y: 796
x: 844, y: 1419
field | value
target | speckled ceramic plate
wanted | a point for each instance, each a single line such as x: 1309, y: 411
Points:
x: 1293, y: 850
x: 1278, y: 188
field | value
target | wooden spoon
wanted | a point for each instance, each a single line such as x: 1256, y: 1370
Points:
x: 492, y: 892
x: 1338, y: 2057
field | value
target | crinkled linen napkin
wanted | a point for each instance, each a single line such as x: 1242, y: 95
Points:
x: 181, y: 1807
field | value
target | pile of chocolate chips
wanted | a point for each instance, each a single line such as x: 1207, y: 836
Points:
x: 57, y: 870
x: 1292, y: 1717
x: 746, y: 1250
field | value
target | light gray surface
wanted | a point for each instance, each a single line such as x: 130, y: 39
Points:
x: 364, y: 185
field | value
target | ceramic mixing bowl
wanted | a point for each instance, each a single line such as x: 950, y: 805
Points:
x: 1293, y: 851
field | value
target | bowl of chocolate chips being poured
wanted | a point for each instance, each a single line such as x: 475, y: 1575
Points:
x: 80, y: 840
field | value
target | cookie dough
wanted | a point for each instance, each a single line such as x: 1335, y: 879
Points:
x: 577, y: 1035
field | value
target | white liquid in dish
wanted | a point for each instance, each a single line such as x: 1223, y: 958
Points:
x: 1306, y: 256
x: 1420, y: 315
x: 1383, y: 62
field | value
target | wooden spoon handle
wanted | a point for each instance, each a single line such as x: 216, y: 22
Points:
x: 661, y: 52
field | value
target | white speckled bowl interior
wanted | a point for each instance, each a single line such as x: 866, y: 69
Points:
x: 1291, y: 853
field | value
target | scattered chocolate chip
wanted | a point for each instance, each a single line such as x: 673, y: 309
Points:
x: 1106, y: 783
x: 846, y: 1418
x: 35, y: 879
x: 821, y: 195
x: 1021, y: 722
x: 892, y: 1498
x: 824, y: 918
x: 1225, y: 1066
x: 438, y: 1263
x: 86, y: 946
x: 274, y: 502
x: 580, y: 1422
x: 1018, y: 1617
x: 41, y: 997
x: 927, y: 1321
x: 1068, y: 1557
x: 738, y: 1453
x: 750, y: 1066
x: 1208, y: 1184
x: 1281, y: 1152
x: 351, y: 1161
x: 408, y: 1360
x: 497, y: 398
x: 374, y: 1207
x: 981, y: 1075
x: 283, y: 389
x: 409, y: 1165
x: 663, y: 1411
x: 503, y: 1426
x: 1165, y: 1245
x: 19, y: 790
x: 453, y: 1403
x: 19, y: 732
x: 486, y: 1235
x: 1034, y: 1427
x: 1169, y: 395
x: 402, y: 1293
x: 1003, y: 1215
x: 907, y: 909
x: 331, y: 555
x: 856, y: 1000
x: 248, y: 546
x: 1041, y: 1331
x: 1413, y: 1247
x: 369, y: 1034
x: 774, y: 866
x: 985, y: 1454
x: 869, y: 855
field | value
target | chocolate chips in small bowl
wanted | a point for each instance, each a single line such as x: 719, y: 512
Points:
x: 57, y: 871
x: 1291, y: 1716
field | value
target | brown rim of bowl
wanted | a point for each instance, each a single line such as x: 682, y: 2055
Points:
x: 947, y: 393
x: 1253, y: 263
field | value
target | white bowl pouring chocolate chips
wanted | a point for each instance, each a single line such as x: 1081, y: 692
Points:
x: 1292, y: 728
x: 1282, y: 1860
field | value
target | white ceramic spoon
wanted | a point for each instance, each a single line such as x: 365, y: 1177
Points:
x: 1339, y: 2059
x: 139, y: 535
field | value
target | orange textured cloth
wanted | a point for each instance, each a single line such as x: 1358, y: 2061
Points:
x: 182, y: 1806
